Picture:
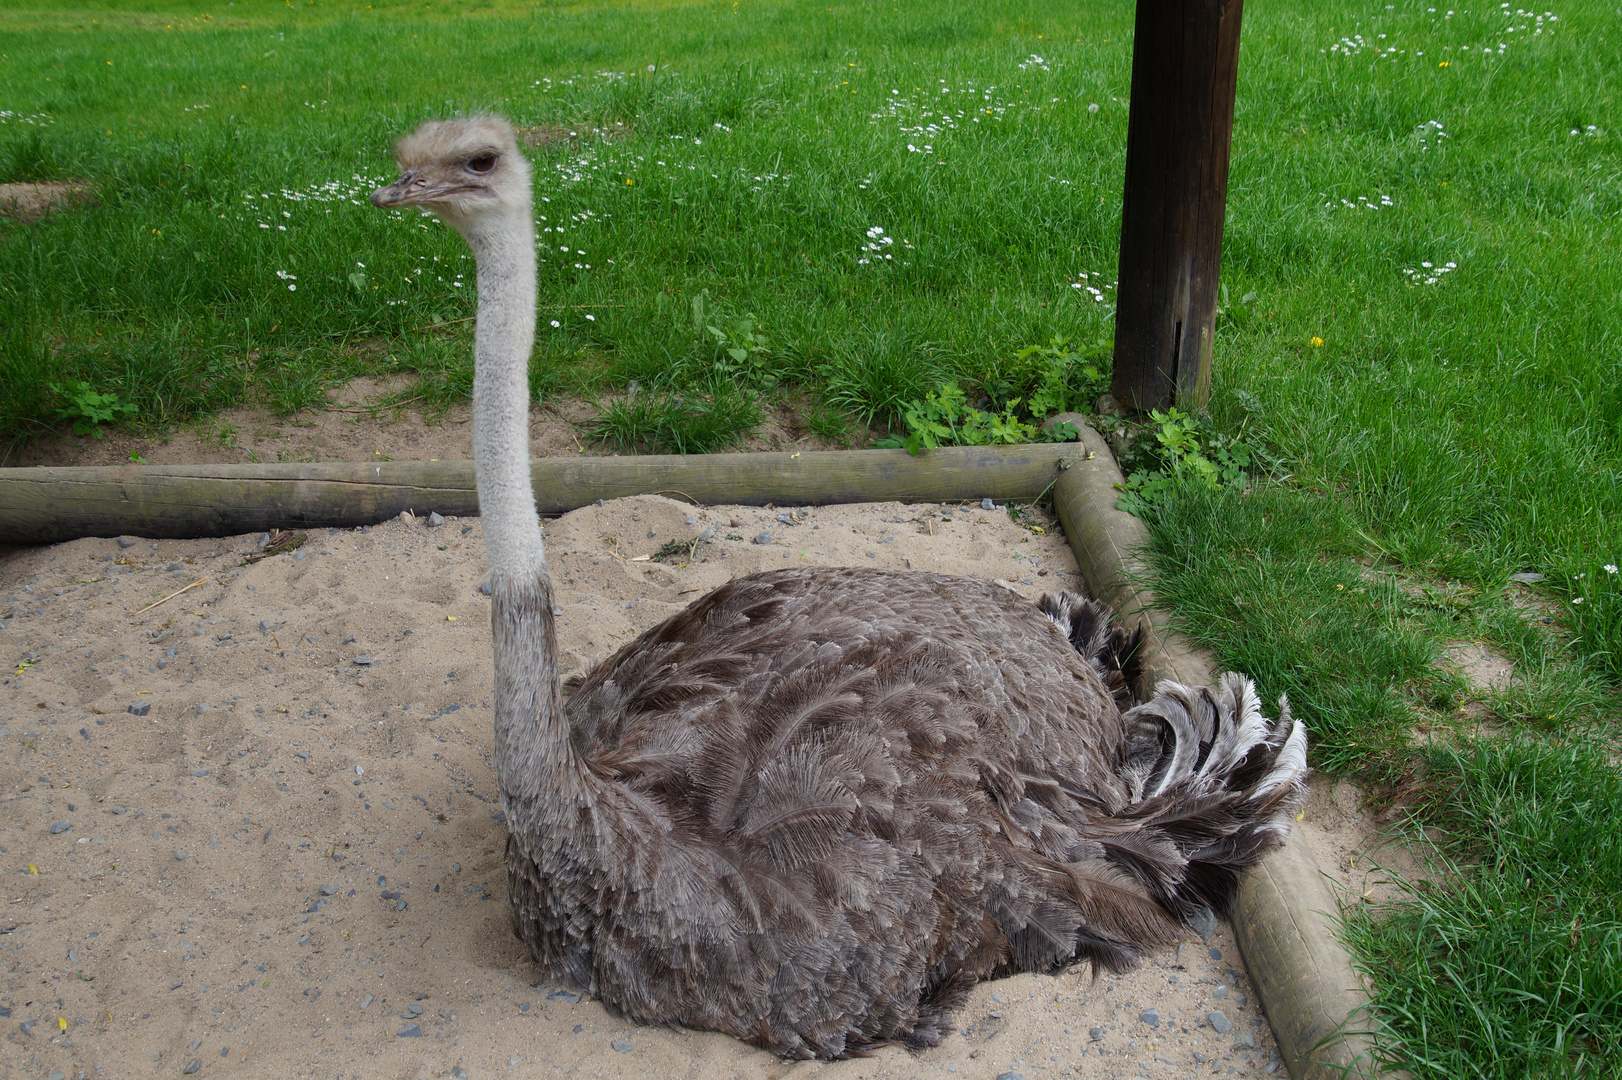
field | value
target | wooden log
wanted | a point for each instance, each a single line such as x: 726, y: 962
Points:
x: 1284, y: 915
x: 49, y: 505
x: 1185, y: 67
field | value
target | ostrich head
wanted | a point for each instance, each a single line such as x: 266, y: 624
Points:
x: 466, y: 171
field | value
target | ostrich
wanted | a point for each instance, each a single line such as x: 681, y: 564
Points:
x: 814, y: 808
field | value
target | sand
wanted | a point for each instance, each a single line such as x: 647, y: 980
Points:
x: 290, y: 862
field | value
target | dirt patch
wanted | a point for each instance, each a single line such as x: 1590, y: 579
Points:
x: 285, y: 859
x: 1484, y: 668
x: 356, y: 427
x: 29, y: 202
x: 1354, y: 846
x: 545, y: 135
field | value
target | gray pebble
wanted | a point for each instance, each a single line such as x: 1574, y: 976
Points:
x: 691, y: 520
x: 1009, y: 1075
x: 1215, y: 954
x: 125, y: 542
x: 414, y: 1009
x: 411, y: 1031
x: 28, y: 1026
x: 329, y: 890
x: 367, y: 1000
x: 1096, y: 1034
x: 305, y: 754
x: 1220, y: 992
x: 316, y: 906
x: 363, y: 660
x: 263, y: 542
x: 621, y: 1046
x: 1150, y: 1017
x: 513, y: 1061
x: 987, y: 504
x: 1244, y: 1041
x: 763, y: 538
x: 706, y: 534
x: 1222, y: 1024
x: 192, y: 1066
x: 459, y: 1073
x: 60, y: 827
x: 268, y: 627
x: 181, y: 855
x: 435, y: 519
x: 140, y: 708
x: 199, y: 772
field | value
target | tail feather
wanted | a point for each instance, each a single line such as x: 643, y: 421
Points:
x: 1113, y: 651
x: 1212, y: 785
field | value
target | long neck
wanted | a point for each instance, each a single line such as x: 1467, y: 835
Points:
x: 532, y: 746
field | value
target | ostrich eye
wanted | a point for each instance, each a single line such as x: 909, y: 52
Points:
x: 483, y: 163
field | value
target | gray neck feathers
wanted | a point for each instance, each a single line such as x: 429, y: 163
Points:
x: 533, y: 752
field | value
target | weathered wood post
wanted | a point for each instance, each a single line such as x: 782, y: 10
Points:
x: 1185, y: 65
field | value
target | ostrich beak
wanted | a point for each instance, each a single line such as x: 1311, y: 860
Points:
x: 415, y: 189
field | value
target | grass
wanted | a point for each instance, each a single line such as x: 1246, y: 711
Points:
x: 1434, y: 428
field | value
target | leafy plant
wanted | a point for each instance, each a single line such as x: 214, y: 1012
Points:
x: 1184, y: 447
x: 944, y: 418
x: 741, y: 355
x: 1056, y: 377
x: 88, y: 408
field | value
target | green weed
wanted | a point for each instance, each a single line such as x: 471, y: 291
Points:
x: 89, y: 408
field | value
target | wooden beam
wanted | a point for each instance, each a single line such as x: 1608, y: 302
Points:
x: 1185, y: 66
x: 49, y: 505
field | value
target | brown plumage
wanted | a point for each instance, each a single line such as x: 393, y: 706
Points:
x: 815, y: 807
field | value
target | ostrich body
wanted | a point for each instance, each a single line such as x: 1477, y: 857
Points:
x: 815, y: 807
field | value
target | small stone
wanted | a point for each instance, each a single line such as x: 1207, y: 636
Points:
x: 175, y: 985
x: 622, y: 1046
x: 1010, y: 1076
x: 1096, y: 1034
x: 1220, y: 993
x: 407, y: 518
x: 329, y: 890
x: 180, y: 855
x: 192, y: 1066
x: 513, y: 1061
x: 363, y: 660
x: 316, y: 906
x: 305, y: 754
x: 60, y: 827
x: 763, y: 538
x: 1527, y: 578
x: 410, y: 1031
x: 263, y: 542
x: 1214, y: 954
x: 1204, y: 923
x: 28, y: 1026
x: 140, y: 708
x: 435, y: 519
x: 1150, y: 1017
x: 367, y: 1000
x: 459, y: 1072
x: 1222, y: 1024
x: 691, y: 520
x: 1244, y: 1041
x: 987, y: 504
x: 359, y: 771
x: 126, y: 542
x: 199, y: 772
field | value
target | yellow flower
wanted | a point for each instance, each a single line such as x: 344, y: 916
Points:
x: 1316, y: 343
x: 1442, y: 64
x: 628, y: 180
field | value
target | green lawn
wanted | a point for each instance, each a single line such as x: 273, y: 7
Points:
x: 1421, y: 333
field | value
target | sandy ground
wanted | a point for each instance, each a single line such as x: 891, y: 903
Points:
x: 252, y: 831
